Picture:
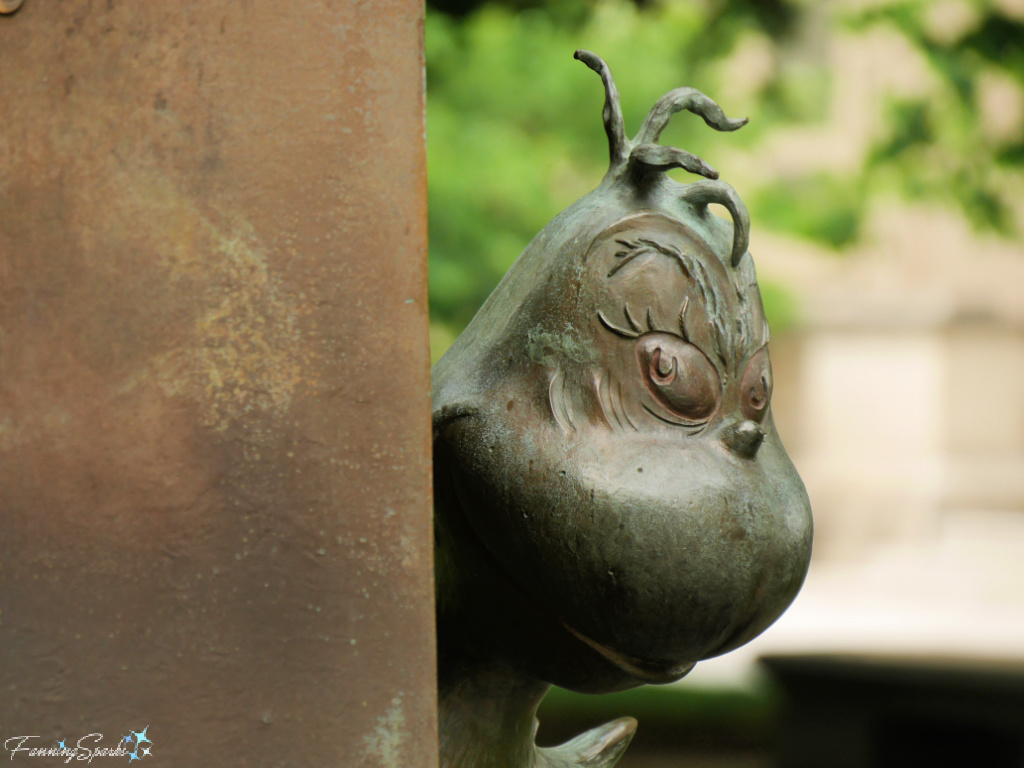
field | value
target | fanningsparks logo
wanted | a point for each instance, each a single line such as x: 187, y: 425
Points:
x: 135, y: 746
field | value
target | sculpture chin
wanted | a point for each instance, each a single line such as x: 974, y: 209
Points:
x: 498, y: 616
x: 654, y: 560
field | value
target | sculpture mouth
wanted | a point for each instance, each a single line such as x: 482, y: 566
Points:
x: 653, y: 672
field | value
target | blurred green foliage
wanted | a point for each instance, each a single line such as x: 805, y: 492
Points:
x: 515, y: 133
x: 937, y: 147
x: 684, y: 713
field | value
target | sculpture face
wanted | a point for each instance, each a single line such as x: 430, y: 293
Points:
x: 607, y: 468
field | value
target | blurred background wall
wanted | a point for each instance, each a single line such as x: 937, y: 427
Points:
x: 884, y: 171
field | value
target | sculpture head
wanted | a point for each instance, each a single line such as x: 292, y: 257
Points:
x: 613, y: 502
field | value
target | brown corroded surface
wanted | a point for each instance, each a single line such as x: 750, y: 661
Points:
x: 214, y: 440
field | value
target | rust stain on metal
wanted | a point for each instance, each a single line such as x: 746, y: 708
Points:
x: 246, y: 352
x: 214, y: 396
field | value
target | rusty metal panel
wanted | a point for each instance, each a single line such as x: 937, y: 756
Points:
x: 214, y: 396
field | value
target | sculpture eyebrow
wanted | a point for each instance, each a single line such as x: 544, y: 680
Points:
x: 642, y: 246
x: 728, y: 342
x: 692, y: 269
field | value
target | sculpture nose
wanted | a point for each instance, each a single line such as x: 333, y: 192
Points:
x: 743, y: 438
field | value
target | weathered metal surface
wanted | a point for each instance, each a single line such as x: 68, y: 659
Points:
x: 613, y: 501
x: 214, y: 436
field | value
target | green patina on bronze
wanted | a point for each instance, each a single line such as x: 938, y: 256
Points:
x: 612, y: 501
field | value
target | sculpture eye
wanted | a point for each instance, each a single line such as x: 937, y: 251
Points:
x: 756, y: 386
x: 679, y: 375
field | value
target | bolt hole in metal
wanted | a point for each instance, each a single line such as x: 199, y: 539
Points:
x: 9, y: 6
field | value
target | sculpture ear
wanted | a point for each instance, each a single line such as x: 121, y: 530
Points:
x: 599, y: 747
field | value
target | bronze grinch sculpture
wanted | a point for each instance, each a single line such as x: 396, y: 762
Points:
x: 612, y: 501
